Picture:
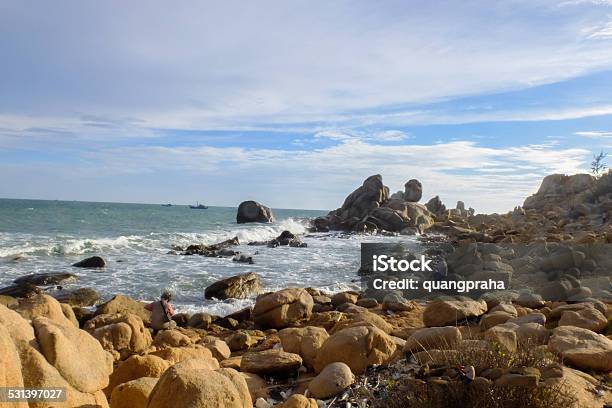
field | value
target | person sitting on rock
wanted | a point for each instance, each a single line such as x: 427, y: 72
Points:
x: 162, y: 312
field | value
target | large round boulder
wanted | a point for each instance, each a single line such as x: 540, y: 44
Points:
x: 305, y: 341
x: 235, y: 287
x: 280, y: 309
x: 450, y: 312
x: 252, y: 211
x: 133, y: 394
x: 187, y: 386
x: 358, y: 347
x: 582, y: 348
x: 413, y: 190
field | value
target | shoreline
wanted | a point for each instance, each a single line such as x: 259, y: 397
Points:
x: 548, y: 338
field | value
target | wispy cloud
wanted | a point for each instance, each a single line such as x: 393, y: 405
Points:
x: 595, y: 134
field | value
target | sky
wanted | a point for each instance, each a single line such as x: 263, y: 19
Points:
x: 295, y: 103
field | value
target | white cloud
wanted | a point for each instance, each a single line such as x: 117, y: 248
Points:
x: 595, y: 134
x: 391, y: 136
x: 488, y: 179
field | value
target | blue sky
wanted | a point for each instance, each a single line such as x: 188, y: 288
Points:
x: 295, y: 103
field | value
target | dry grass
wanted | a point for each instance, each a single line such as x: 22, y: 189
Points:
x: 406, y: 391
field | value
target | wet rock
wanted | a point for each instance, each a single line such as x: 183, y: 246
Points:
x: 43, y: 279
x: 20, y: 291
x: 181, y: 319
x: 286, y: 238
x: 252, y: 211
x: 77, y: 297
x: 235, y: 287
x: 92, y: 262
x: 240, y: 258
x: 270, y: 362
x: 280, y: 309
x: 219, y: 249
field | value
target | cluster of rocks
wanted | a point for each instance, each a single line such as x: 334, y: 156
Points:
x: 575, y: 209
x: 370, y: 208
x: 298, y: 347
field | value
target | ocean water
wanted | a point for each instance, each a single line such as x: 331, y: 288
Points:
x: 135, y: 239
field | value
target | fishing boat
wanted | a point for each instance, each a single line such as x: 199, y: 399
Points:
x: 198, y: 206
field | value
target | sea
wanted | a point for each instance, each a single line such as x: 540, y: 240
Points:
x: 136, y: 241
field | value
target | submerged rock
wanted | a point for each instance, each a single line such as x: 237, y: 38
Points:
x: 92, y: 262
x: 43, y: 279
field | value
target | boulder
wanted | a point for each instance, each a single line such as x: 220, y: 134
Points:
x: 270, y: 362
x: 298, y: 401
x: 200, y: 320
x: 240, y: 341
x: 77, y: 356
x: 235, y: 287
x: 388, y: 219
x: 413, y: 190
x: 134, y: 368
x: 171, y: 338
x: 280, y: 309
x: 258, y: 387
x: 494, y: 318
x: 44, y: 279
x: 23, y: 290
x: 120, y: 335
x: 450, y: 312
x: 582, y: 348
x: 305, y: 341
x: 530, y: 300
x: 587, y: 318
x: 77, y: 297
x: 185, y: 386
x: 365, y: 318
x: 219, y: 349
x: 91, y: 262
x: 433, y: 338
x: 504, y: 335
x: 42, y: 306
x: 252, y: 211
x: 344, y: 297
x: 133, y: 394
x: 364, y: 199
x: 331, y: 381
x: 178, y: 354
x: 120, y: 304
x: 558, y: 190
x: 436, y: 207
x: 397, y: 303
x: 358, y: 347
x: 286, y: 238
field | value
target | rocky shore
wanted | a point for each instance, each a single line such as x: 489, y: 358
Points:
x: 546, y: 341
